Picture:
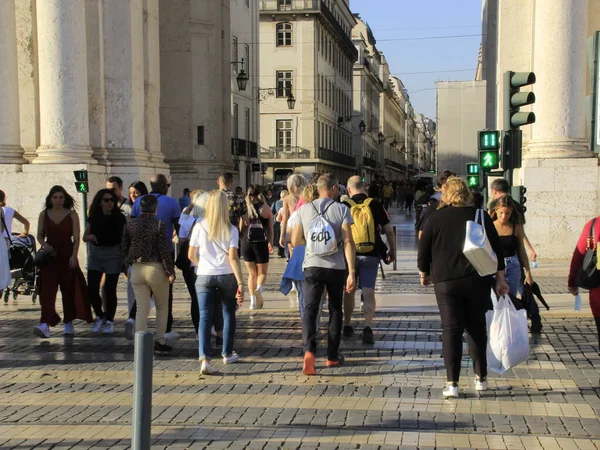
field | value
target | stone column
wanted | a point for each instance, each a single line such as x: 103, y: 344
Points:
x: 559, y: 61
x: 64, y: 121
x: 11, y: 151
x: 124, y: 82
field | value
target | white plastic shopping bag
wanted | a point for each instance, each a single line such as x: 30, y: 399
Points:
x: 508, y: 336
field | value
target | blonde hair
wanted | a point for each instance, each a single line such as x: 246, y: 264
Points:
x: 217, y: 216
x: 253, y: 192
x: 295, y: 183
x: 456, y: 193
x: 310, y: 193
x: 198, y: 205
x: 283, y: 194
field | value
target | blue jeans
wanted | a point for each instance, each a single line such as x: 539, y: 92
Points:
x: 512, y: 274
x: 210, y: 289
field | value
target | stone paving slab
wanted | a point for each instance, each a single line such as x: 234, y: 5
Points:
x: 77, y: 392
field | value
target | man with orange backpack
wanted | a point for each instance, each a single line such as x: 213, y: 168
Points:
x: 369, y: 216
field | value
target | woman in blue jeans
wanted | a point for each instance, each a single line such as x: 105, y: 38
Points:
x: 510, y: 231
x: 214, y: 251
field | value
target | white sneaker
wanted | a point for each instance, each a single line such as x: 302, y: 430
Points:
x: 293, y: 296
x: 130, y: 329
x: 206, y: 368
x: 481, y: 385
x: 69, y: 331
x: 108, y: 327
x: 252, y: 305
x: 234, y: 357
x: 171, y: 336
x: 97, y: 325
x: 42, y: 330
x: 259, y: 298
x: 450, y: 391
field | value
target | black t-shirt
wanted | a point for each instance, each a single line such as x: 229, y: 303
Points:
x: 379, y: 216
x: 108, y: 229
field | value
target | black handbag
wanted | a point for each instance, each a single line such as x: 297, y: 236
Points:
x: 588, y: 276
x: 182, y: 262
x: 43, y: 258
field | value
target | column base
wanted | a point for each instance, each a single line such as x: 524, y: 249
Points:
x: 12, y: 154
x: 72, y: 154
x: 563, y: 148
x: 562, y: 195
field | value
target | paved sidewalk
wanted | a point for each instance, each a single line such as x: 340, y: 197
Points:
x: 64, y: 393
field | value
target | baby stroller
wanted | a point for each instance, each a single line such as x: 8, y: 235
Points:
x: 22, y: 270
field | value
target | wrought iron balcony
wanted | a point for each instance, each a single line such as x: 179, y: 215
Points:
x: 241, y: 147
x: 336, y: 157
x: 284, y: 153
x: 289, y: 5
x: 369, y: 162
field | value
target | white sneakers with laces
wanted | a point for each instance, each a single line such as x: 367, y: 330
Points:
x: 42, y: 330
x: 206, y: 368
x: 450, y: 391
x: 481, y: 385
x: 69, y: 330
x: 97, y: 326
x: 233, y: 358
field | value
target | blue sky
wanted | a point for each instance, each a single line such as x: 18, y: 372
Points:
x: 404, y: 19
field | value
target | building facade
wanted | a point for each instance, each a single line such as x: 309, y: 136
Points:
x: 367, y: 89
x: 306, y: 51
x: 549, y: 38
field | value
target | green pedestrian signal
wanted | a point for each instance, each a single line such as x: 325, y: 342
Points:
x: 488, y: 140
x: 472, y: 169
x: 489, y: 160
x: 473, y: 181
x: 81, y: 187
x: 81, y: 175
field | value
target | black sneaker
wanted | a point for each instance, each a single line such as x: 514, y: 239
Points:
x: 348, y: 331
x: 162, y: 348
x: 367, y: 336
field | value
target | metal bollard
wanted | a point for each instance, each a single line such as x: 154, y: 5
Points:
x: 142, y: 390
x: 395, y: 265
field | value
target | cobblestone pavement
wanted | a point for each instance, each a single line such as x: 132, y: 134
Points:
x: 77, y: 392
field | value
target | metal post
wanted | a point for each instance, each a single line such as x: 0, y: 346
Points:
x: 84, y: 205
x: 395, y: 265
x: 142, y: 390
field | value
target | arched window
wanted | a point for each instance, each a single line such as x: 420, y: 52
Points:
x: 284, y: 34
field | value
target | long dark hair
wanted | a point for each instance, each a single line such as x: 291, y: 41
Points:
x: 96, y: 206
x: 69, y: 201
x: 506, y: 201
x: 139, y: 186
x: 2, y: 198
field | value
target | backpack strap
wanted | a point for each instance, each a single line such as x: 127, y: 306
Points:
x: 350, y: 202
x: 591, y: 240
x: 368, y: 201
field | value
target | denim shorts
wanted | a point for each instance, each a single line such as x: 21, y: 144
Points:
x: 366, y: 270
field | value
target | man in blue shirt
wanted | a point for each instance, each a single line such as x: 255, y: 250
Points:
x: 168, y: 212
x: 185, y: 200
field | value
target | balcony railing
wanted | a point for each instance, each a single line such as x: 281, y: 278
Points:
x: 330, y: 155
x: 289, y: 5
x: 369, y: 162
x: 284, y: 153
x: 241, y: 147
x: 394, y: 164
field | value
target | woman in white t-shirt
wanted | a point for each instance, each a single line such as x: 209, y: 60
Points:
x: 9, y: 214
x: 214, y: 252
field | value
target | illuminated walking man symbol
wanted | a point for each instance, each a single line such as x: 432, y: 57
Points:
x: 488, y: 159
x: 472, y: 181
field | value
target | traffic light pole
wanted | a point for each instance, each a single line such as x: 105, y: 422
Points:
x: 84, y: 206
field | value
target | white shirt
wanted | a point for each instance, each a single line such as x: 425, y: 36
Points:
x: 292, y: 220
x: 9, y: 213
x: 213, y: 254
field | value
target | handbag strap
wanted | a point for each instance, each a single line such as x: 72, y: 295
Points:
x: 591, y: 240
x: 5, y: 229
x: 479, y: 214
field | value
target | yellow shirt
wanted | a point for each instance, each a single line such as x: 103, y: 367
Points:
x: 388, y: 191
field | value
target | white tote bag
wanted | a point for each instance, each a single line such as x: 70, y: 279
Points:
x: 477, y: 248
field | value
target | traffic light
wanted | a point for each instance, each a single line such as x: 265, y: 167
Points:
x: 472, y: 169
x: 488, y: 143
x: 81, y: 185
x: 514, y: 99
x: 518, y: 194
x: 473, y: 181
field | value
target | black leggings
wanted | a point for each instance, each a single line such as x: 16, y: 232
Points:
x: 463, y: 303
x: 189, y: 275
x: 110, y: 289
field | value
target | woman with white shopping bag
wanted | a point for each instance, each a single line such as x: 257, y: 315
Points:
x: 457, y: 252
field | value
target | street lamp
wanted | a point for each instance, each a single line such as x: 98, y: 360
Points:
x: 242, y: 78
x: 382, y: 137
x: 291, y: 100
x: 362, y: 126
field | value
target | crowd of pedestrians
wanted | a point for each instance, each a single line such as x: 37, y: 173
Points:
x: 330, y: 235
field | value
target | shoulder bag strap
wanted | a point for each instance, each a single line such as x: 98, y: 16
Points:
x: 591, y: 241
x: 481, y: 214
